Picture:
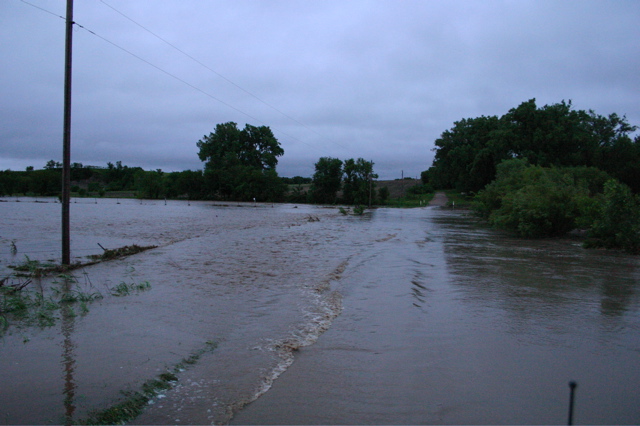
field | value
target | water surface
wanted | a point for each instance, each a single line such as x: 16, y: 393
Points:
x: 417, y: 316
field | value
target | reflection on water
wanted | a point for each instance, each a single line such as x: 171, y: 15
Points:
x: 541, y: 280
x: 68, y: 356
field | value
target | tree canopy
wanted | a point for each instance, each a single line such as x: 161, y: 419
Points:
x: 358, y: 186
x: 241, y: 164
x: 354, y: 177
x: 554, y: 135
x: 327, y: 180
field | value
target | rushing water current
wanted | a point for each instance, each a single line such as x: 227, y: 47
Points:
x: 419, y: 316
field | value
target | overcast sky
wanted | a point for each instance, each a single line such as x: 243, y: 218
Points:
x: 374, y: 79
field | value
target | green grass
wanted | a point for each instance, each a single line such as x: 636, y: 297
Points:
x: 124, y: 289
x: 22, y: 306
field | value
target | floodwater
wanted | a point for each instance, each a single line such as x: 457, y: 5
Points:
x: 418, y: 316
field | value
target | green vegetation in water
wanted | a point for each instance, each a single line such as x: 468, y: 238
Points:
x: 135, y: 401
x: 535, y: 201
x: 125, y: 289
x: 356, y: 211
x: 545, y: 171
x: 24, y: 307
x: 35, y: 268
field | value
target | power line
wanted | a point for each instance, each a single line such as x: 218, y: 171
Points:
x: 171, y: 75
x: 44, y: 10
x: 189, y: 84
x: 220, y: 75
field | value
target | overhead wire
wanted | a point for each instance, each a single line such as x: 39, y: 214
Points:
x: 221, y: 76
x: 170, y: 74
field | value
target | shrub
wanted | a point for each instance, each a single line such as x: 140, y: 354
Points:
x: 618, y: 220
x: 534, y: 201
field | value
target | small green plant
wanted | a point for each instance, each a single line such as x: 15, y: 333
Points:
x: 343, y: 211
x: 124, y: 289
x: 31, y: 268
x: 358, y: 210
x: 121, y: 289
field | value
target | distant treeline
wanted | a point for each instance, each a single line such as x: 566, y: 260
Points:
x: 546, y: 171
x: 98, y: 181
x: 239, y: 165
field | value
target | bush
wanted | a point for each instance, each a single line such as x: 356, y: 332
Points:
x: 534, y: 201
x: 618, y: 220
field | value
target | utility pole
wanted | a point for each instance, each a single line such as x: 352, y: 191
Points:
x: 66, y: 139
x: 370, y: 184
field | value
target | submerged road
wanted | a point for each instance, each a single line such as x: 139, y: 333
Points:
x: 445, y: 322
x: 439, y: 200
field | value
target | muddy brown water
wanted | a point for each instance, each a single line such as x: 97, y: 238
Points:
x: 420, y: 316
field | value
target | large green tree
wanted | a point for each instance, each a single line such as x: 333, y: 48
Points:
x: 326, y: 180
x: 358, y: 185
x: 240, y: 164
x: 553, y: 135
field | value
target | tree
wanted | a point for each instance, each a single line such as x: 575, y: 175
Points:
x: 383, y: 195
x: 467, y: 154
x: 621, y: 159
x: 326, y: 180
x: 191, y: 184
x: 358, y: 183
x: 552, y: 135
x: 149, y: 184
x: 51, y: 164
x: 254, y: 147
x: 240, y: 164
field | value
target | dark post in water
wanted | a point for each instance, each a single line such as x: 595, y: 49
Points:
x: 572, y: 386
x: 66, y: 140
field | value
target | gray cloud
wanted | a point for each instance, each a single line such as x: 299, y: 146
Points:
x: 374, y: 79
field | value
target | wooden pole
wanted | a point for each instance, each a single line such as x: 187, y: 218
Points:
x: 572, y: 386
x: 66, y: 141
